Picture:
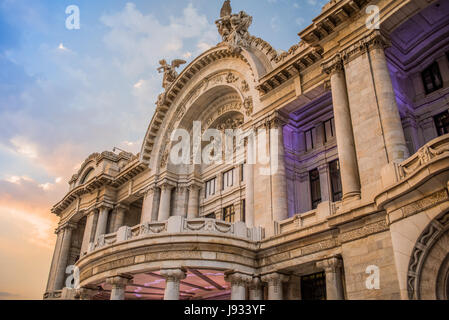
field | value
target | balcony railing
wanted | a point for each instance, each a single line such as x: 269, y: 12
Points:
x: 180, y: 225
x: 425, y: 154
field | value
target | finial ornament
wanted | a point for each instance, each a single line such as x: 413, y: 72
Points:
x: 169, y: 71
x: 233, y: 28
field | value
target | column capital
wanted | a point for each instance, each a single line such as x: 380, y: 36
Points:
x: 182, y: 188
x: 176, y: 274
x: 121, y: 206
x: 275, y: 278
x: 333, y: 65
x: 330, y: 265
x: 374, y: 40
x: 194, y: 186
x: 166, y: 185
x: 120, y: 280
x: 104, y: 206
x: 68, y: 225
x: 86, y: 293
x: 237, y: 278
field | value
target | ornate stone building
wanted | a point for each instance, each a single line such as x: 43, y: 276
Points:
x: 358, y: 205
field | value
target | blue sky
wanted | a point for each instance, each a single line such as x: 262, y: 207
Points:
x: 65, y: 94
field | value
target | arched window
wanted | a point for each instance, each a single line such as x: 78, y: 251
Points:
x: 87, y: 176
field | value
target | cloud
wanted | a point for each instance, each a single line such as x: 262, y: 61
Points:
x: 142, y: 40
x: 7, y: 295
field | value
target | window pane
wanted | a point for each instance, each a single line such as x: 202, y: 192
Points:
x: 313, y: 287
x: 432, y: 78
x: 315, y: 188
x: 334, y: 172
x: 229, y: 214
x: 329, y: 129
x: 442, y: 123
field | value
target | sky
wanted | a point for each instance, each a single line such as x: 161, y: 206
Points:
x: 65, y: 94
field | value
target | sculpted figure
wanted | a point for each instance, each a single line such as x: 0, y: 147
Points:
x: 233, y: 28
x: 169, y: 71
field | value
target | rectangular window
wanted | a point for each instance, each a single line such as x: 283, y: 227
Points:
x: 310, y: 139
x: 315, y: 188
x: 334, y: 172
x: 432, y: 78
x: 442, y: 123
x: 329, y: 129
x: 228, y: 178
x: 229, y: 214
x: 313, y: 287
x: 210, y: 187
x: 242, y: 172
x: 243, y: 209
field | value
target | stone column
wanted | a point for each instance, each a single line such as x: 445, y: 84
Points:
x: 275, y: 281
x: 173, y: 278
x: 150, y: 208
x: 63, y: 256
x: 343, y: 130
x: 249, y: 183
x: 389, y: 114
x: 164, y: 208
x: 118, y: 286
x: 89, y: 231
x: 180, y: 201
x: 193, y: 209
x: 238, y: 284
x: 334, y: 284
x: 120, y: 216
x: 102, y: 222
x: 54, y: 261
x: 279, y: 181
x: 324, y: 182
x: 294, y: 288
x: 86, y: 293
x: 256, y: 289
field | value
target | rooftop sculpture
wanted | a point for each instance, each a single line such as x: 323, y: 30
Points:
x: 233, y: 28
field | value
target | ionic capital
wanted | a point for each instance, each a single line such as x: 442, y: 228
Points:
x: 175, y: 275
x: 330, y: 265
x: 120, y: 281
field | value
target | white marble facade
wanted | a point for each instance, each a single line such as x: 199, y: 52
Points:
x: 359, y: 181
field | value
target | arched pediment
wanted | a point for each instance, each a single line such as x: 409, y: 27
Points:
x: 197, y: 97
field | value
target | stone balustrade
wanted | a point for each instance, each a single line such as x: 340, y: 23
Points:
x: 179, y: 224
